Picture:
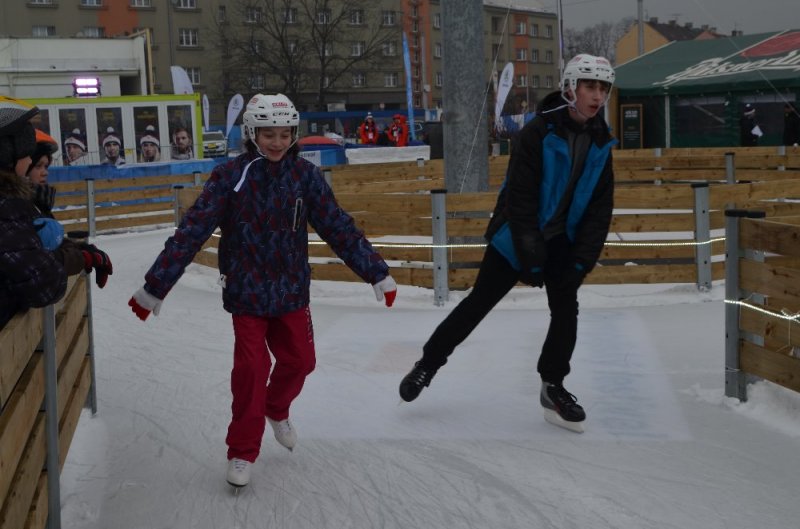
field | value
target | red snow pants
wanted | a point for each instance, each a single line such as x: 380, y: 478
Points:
x: 257, y: 394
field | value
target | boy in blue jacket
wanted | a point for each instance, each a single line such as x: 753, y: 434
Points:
x: 548, y: 229
x: 262, y: 201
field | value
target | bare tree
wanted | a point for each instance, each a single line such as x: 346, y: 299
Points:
x: 600, y: 39
x: 300, y: 47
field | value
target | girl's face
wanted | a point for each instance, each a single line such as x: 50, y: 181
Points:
x: 273, y: 142
x: 38, y: 173
x: 589, y: 98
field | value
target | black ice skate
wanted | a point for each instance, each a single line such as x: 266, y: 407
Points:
x: 561, y: 407
x: 412, y: 384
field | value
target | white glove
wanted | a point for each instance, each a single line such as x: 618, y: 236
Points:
x: 386, y: 288
x: 143, y: 302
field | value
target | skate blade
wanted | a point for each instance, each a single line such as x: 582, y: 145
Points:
x: 236, y: 487
x: 553, y: 417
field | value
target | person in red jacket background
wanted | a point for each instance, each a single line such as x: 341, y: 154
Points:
x: 398, y: 131
x: 368, y: 131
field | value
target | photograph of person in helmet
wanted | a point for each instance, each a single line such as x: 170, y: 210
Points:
x: 548, y: 228
x: 263, y: 201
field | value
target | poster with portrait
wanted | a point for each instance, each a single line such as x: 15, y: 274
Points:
x: 110, y: 141
x: 75, y: 148
x: 148, y: 137
x: 41, y: 121
x: 180, y: 132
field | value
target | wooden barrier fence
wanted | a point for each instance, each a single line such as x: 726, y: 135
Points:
x: 762, y: 291
x: 46, y: 378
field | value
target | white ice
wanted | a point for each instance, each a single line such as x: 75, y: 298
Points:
x: 663, y: 447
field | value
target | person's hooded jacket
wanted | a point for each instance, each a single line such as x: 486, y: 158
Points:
x: 546, y: 192
x: 30, y: 276
x: 262, y: 209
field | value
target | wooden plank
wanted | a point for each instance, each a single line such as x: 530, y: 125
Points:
x: 131, y: 222
x: 642, y: 274
x: 769, y: 236
x: 70, y: 317
x: 23, y: 486
x: 780, y: 333
x: 207, y: 259
x: 134, y: 194
x: 658, y: 222
x: 770, y: 280
x: 18, y: 418
x: 461, y: 202
x: 18, y: 340
x: 669, y: 196
x: 776, y: 367
x: 410, y: 204
x: 395, y: 186
x: 141, y: 181
x: 37, y: 517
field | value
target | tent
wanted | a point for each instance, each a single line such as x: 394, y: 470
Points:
x: 692, y: 93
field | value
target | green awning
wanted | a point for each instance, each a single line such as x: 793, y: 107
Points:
x: 744, y: 63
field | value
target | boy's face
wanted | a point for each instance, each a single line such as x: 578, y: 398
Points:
x: 590, y: 96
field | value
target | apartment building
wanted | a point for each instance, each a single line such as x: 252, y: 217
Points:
x: 198, y: 35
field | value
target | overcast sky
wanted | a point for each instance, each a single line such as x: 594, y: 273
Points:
x: 750, y: 16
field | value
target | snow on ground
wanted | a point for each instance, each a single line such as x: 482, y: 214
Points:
x: 663, y: 448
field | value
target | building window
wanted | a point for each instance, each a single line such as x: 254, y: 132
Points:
x: 496, y: 49
x: 534, y: 30
x: 439, y: 78
x: 252, y: 15
x: 292, y: 44
x: 186, y: 4
x: 415, y: 26
x: 437, y: 21
x: 389, y: 49
x: 357, y: 17
x: 141, y: 3
x: 415, y: 56
x: 222, y: 14
x: 290, y: 15
x: 417, y: 102
x: 417, y: 86
x: 257, y: 82
x: 521, y: 28
x: 187, y: 38
x: 194, y: 75
x: 437, y: 50
x: 522, y: 54
x: 92, y: 3
x: 548, y: 56
x: 388, y: 18
x: 522, y: 80
x: 357, y: 48
x: 415, y: 72
x: 415, y: 41
x: 548, y: 31
x: 93, y: 32
x: 548, y: 81
x: 390, y: 80
x: 323, y: 16
x: 41, y: 2
x: 534, y: 55
x: 328, y: 49
x: 43, y: 31
x: 257, y: 46
x: 326, y: 82
x: 359, y: 80
x: 535, y: 81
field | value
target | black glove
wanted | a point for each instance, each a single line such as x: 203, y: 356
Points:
x: 99, y: 261
x: 533, y: 277
x: 44, y: 198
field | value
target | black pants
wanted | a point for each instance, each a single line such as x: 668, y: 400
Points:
x: 495, y: 278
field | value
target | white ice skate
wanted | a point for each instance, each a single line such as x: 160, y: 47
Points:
x: 285, y: 433
x: 238, y: 472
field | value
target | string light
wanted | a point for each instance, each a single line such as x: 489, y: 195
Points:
x: 783, y: 315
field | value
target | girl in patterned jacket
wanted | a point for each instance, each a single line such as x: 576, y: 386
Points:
x: 262, y: 201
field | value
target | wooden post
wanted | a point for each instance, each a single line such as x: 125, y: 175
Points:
x: 441, y: 287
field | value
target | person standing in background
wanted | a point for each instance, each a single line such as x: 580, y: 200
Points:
x: 398, y: 131
x: 749, y: 131
x: 368, y: 131
x: 791, y: 125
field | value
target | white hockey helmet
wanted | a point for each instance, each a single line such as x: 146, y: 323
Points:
x: 585, y: 66
x: 269, y: 111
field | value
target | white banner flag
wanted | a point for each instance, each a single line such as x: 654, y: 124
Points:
x: 205, y: 112
x: 504, y: 86
x: 234, y: 107
x: 180, y: 81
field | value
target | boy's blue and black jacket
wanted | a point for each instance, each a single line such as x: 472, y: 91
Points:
x: 539, y: 172
x: 262, y: 209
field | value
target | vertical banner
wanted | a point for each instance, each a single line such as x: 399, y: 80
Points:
x: 181, y: 84
x: 205, y: 112
x: 234, y: 107
x: 409, y: 99
x: 503, y: 88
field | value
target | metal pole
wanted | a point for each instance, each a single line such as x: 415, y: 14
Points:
x: 730, y: 167
x: 734, y: 379
x: 441, y: 288
x: 91, y: 214
x: 92, y: 398
x: 640, y: 16
x: 51, y: 418
x: 702, y: 236
x: 176, y: 204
